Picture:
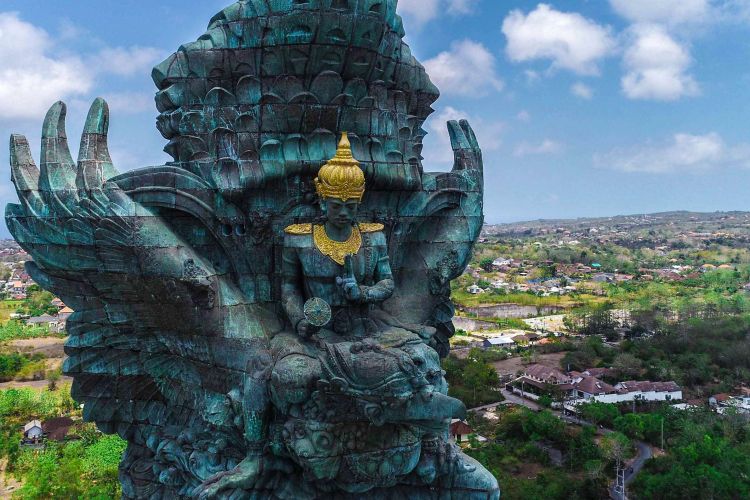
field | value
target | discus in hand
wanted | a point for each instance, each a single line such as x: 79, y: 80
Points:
x: 317, y: 312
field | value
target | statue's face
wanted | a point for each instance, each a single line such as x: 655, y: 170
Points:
x: 340, y: 213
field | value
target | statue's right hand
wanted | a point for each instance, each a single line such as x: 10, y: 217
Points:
x: 305, y: 329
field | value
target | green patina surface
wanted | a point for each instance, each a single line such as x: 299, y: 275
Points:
x: 183, y: 341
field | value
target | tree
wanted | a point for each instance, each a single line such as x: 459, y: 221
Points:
x: 600, y: 413
x: 486, y: 264
x: 53, y: 376
x: 627, y: 366
x: 616, y: 447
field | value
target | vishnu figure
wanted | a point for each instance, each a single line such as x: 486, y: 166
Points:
x: 343, y: 262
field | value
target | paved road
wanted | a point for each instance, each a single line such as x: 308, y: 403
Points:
x: 645, y: 453
x: 513, y: 398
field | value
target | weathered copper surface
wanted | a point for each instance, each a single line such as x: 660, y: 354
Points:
x: 189, y: 337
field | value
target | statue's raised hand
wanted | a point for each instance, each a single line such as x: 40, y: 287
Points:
x: 466, y: 152
x: 348, y: 283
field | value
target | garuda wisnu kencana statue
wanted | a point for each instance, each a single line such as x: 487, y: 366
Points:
x: 264, y: 316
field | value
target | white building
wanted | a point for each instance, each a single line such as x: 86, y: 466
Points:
x: 591, y: 389
x: 33, y: 430
x: 500, y: 341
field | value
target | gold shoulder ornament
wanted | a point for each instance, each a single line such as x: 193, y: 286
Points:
x: 299, y: 229
x: 370, y: 227
x: 337, y: 250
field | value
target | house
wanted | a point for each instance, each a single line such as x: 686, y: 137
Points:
x: 62, y: 318
x: 718, y: 399
x: 546, y: 374
x: 537, y: 380
x: 724, y: 403
x: 460, y: 432
x: 603, y: 278
x: 501, y: 263
x: 32, y: 432
x: 589, y: 388
x: 57, y: 303
x: 501, y: 341
x: 51, y: 322
x: 586, y: 388
x: 474, y: 290
x: 500, y: 284
x: 649, y: 391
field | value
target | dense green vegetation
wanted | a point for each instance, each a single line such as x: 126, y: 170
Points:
x: 14, y: 330
x: 37, y: 302
x: 22, y: 366
x: 472, y: 379
x: 84, y: 467
x: 520, y: 450
x: 704, y: 356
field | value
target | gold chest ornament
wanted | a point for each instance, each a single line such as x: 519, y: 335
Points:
x: 337, y: 250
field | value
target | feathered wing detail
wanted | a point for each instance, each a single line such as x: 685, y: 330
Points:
x: 159, y: 339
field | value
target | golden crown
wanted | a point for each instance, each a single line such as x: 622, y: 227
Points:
x: 341, y: 177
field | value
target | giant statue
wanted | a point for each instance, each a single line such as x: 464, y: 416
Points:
x: 264, y: 316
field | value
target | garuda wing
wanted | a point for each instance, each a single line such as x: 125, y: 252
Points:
x: 160, y: 343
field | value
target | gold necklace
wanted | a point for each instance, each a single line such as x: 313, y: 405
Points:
x: 337, y: 250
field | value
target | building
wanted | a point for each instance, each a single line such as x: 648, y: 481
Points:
x: 539, y: 380
x: 474, y: 290
x: 501, y: 341
x: 501, y: 263
x: 591, y: 388
x: 32, y: 432
x: 51, y: 322
x: 460, y: 432
x: 724, y: 403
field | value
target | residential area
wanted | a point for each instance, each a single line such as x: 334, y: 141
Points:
x: 635, y: 327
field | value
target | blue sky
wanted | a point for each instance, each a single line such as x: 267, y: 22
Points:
x: 582, y: 108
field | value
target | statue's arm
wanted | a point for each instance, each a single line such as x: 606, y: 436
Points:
x: 293, y: 299
x: 384, y: 284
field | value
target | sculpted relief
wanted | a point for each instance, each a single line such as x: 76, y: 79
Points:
x: 264, y: 316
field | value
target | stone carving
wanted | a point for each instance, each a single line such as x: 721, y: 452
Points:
x: 190, y: 337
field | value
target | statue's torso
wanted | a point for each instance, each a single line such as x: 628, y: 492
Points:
x: 318, y: 272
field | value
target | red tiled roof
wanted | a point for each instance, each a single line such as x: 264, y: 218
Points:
x: 646, y: 386
x: 546, y: 374
x: 461, y: 428
x: 592, y: 385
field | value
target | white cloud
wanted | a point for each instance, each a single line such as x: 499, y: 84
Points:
x: 523, y: 116
x: 656, y: 66
x: 670, y: 12
x: 31, y: 76
x: 438, y: 144
x: 424, y: 11
x: 685, y: 152
x: 468, y: 69
x: 569, y: 40
x: 126, y: 61
x: 546, y: 147
x: 582, y: 90
x: 461, y: 6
